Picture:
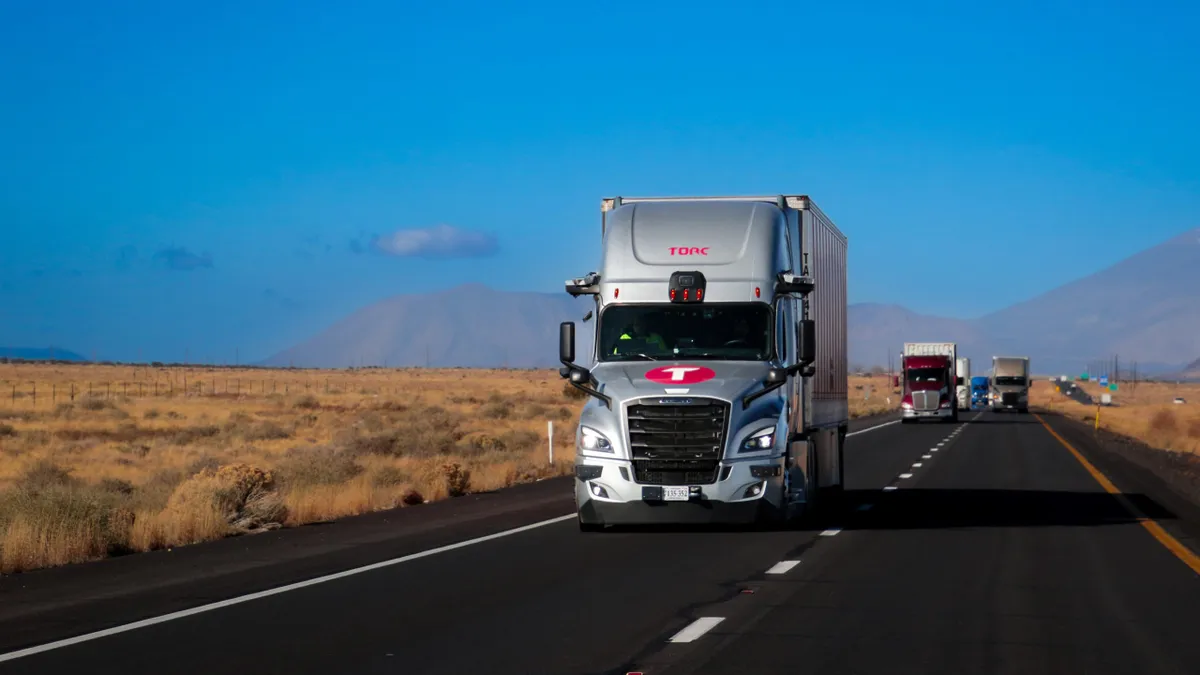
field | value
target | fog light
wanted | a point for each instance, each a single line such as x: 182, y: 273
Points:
x: 599, y: 491
x: 754, y: 490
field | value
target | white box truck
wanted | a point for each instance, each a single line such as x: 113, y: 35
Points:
x: 963, y: 392
x: 718, y: 370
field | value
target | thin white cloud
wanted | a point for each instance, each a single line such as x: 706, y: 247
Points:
x: 439, y: 241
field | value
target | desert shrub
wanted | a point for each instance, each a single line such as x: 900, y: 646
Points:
x: 317, y: 465
x: 497, y: 407
x: 1164, y: 422
x: 152, y: 414
x: 57, y: 522
x: 7, y: 430
x: 189, y: 435
x: 243, y: 497
x: 573, y: 393
x: 412, y: 498
x: 307, y: 402
x: 388, y: 476
x: 458, y: 479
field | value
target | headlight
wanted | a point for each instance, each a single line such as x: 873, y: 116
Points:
x: 761, y: 440
x: 945, y: 404
x: 906, y: 405
x: 593, y: 441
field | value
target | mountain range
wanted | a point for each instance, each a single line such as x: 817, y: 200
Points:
x: 1145, y: 309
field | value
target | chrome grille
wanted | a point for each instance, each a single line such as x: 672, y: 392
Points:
x: 677, y: 444
x: 925, y: 400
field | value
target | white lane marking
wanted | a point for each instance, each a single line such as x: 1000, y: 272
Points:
x: 697, y: 628
x: 890, y: 488
x: 877, y: 426
x: 917, y: 465
x: 783, y: 567
x: 905, y: 475
x: 940, y: 444
x: 58, y: 644
x: 831, y: 532
x: 865, y: 507
x: 926, y: 456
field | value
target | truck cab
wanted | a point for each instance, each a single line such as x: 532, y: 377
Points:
x: 929, y: 382
x: 979, y: 391
x: 1009, y: 384
x: 717, y: 372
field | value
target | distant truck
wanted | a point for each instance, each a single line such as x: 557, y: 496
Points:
x: 1010, y: 383
x: 929, y: 381
x: 963, y: 389
x: 718, y: 369
x: 979, y: 390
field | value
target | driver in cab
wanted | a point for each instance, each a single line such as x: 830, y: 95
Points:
x: 637, y: 330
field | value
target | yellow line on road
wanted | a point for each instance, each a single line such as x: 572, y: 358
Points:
x: 1172, y: 544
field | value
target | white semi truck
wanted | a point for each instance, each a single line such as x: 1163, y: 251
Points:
x: 718, y: 371
x: 963, y: 390
x: 1010, y: 383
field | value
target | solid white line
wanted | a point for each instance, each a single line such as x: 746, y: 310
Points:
x: 697, y: 628
x: 865, y: 507
x: 877, y: 426
x: 831, y: 532
x: 917, y: 464
x: 906, y: 475
x: 783, y: 567
x: 273, y: 591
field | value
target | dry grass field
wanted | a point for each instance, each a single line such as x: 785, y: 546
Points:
x: 1145, y: 411
x: 103, y: 460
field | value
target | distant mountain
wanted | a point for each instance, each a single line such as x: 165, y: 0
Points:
x: 39, y: 354
x: 1144, y: 309
x: 470, y: 326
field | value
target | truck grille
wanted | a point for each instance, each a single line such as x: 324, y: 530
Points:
x: 677, y: 444
x: 1009, y: 398
x: 926, y: 400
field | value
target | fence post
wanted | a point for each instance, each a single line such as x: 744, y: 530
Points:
x: 34, y: 393
x: 550, y: 438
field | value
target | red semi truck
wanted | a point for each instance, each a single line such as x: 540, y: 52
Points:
x: 929, y: 380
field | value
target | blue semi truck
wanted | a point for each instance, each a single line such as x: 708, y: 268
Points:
x: 979, y: 391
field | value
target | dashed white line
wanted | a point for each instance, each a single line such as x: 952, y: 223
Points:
x: 890, y: 488
x: 783, y: 567
x: 831, y: 532
x: 926, y: 456
x: 865, y: 507
x: 695, y: 629
x: 917, y: 465
x: 906, y: 475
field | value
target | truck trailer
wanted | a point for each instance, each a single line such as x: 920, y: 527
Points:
x: 963, y: 389
x: 929, y: 381
x: 1010, y: 383
x: 717, y: 374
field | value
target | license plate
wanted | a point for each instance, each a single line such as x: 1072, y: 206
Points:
x: 675, y: 493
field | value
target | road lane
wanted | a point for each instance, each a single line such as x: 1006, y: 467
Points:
x: 1001, y: 556
x: 551, y: 584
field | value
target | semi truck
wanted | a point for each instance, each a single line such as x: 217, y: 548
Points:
x: 963, y: 389
x: 979, y: 390
x: 929, y: 381
x: 717, y: 374
x: 1010, y: 383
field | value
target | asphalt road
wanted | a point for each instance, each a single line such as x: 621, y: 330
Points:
x: 981, y: 547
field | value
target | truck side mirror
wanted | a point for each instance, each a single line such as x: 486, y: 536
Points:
x: 806, y: 351
x: 566, y: 342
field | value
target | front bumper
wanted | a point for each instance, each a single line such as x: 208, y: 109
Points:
x: 728, y: 500
x: 940, y: 413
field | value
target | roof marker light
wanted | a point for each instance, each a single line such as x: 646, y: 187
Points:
x: 757, y: 292
x: 616, y: 292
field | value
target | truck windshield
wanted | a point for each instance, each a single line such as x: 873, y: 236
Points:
x: 1010, y: 381
x: 725, y: 331
x: 916, y: 375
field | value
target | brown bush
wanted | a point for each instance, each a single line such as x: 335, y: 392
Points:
x: 317, y: 465
x: 7, y: 430
x: 573, y: 393
x: 458, y: 479
x: 242, y: 496
x: 1164, y: 422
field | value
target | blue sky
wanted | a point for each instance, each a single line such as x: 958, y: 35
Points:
x: 236, y: 176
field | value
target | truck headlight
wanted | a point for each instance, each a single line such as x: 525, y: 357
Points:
x: 945, y: 404
x: 906, y: 405
x: 761, y: 440
x: 593, y: 441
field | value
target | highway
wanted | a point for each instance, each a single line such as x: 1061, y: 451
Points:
x: 986, y: 546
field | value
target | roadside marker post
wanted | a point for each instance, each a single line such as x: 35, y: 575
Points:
x: 550, y: 438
